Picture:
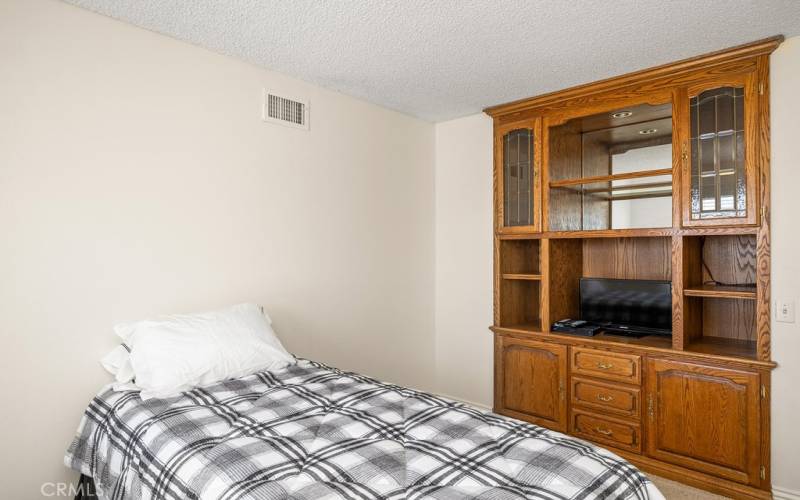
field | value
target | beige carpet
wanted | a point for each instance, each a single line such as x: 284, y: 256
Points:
x: 676, y: 491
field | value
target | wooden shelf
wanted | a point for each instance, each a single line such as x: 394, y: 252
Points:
x: 522, y: 276
x: 627, y: 192
x: 620, y: 192
x: 598, y: 233
x: 609, y: 178
x: 663, y: 342
x: 630, y: 233
x: 650, y: 342
x: 656, y: 341
x: 722, y: 292
x: 718, y: 231
x: 628, y: 187
x: 714, y: 348
x: 720, y: 346
x: 522, y: 327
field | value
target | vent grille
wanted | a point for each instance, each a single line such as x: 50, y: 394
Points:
x: 286, y: 111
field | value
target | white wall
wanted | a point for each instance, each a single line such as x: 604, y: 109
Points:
x: 137, y: 178
x: 463, y: 257
x: 785, y: 110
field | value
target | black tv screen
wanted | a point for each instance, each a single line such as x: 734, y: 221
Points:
x: 643, y: 303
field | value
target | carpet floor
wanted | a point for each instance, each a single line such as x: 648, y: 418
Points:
x: 674, y: 490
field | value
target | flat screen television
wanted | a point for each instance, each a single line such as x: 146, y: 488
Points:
x: 627, y: 306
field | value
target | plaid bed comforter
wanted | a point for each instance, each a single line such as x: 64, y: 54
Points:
x: 311, y: 432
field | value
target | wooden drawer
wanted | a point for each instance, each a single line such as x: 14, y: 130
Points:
x: 609, y: 398
x: 606, y: 430
x: 614, y: 366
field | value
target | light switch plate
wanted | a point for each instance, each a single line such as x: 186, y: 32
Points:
x: 784, y: 310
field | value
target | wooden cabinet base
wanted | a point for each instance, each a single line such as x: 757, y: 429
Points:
x: 697, y: 421
x: 693, y: 478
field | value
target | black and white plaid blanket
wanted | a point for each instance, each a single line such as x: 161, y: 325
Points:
x: 312, y: 432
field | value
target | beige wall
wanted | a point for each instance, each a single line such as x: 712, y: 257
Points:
x: 137, y: 178
x: 785, y: 108
x: 463, y: 259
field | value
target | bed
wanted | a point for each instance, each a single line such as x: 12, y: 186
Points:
x: 310, y: 431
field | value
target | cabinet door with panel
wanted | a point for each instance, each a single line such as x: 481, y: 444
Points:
x: 704, y: 418
x: 531, y: 381
x: 720, y: 152
x: 518, y: 147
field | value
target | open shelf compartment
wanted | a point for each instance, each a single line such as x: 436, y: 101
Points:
x: 570, y: 259
x: 520, y: 308
x: 721, y: 326
x: 719, y: 295
x: 519, y: 259
x: 519, y: 286
x: 721, y: 266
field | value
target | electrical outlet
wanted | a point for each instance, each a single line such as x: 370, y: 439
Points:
x: 784, y: 311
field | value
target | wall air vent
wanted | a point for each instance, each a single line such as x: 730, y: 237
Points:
x: 285, y: 111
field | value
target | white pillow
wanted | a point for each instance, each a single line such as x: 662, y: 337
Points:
x: 118, y: 363
x: 175, y: 353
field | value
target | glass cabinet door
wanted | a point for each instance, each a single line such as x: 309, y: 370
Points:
x: 721, y: 183
x: 518, y: 178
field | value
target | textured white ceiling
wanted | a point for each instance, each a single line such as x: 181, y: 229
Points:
x: 441, y: 59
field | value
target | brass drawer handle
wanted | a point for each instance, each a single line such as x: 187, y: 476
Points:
x: 604, y: 398
x: 604, y: 366
x: 602, y: 431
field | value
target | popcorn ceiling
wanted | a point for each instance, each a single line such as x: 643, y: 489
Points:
x: 442, y: 59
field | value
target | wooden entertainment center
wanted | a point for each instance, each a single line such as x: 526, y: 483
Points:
x: 662, y: 174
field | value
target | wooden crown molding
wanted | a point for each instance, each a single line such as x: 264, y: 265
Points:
x: 753, y: 49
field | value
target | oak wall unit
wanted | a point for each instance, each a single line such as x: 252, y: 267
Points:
x: 662, y: 174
